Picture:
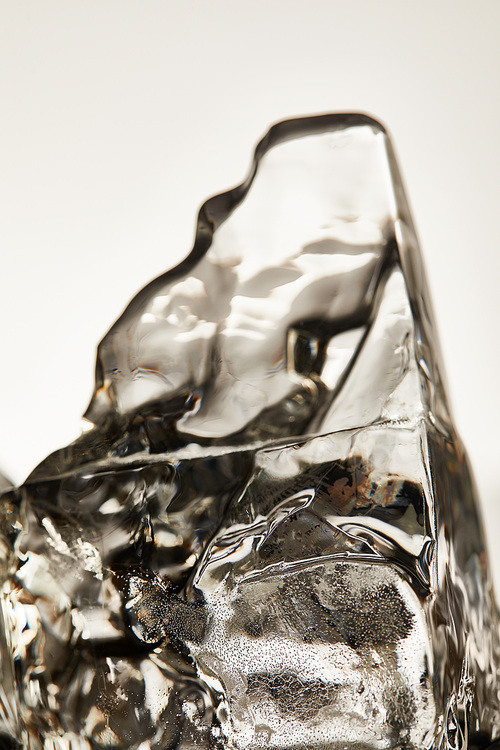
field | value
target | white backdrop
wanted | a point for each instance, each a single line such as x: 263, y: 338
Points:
x: 119, y: 117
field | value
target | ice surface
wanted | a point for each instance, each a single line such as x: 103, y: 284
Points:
x: 269, y: 536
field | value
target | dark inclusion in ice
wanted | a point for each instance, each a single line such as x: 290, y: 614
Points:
x: 269, y: 537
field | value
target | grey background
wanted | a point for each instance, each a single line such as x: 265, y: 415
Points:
x: 119, y: 117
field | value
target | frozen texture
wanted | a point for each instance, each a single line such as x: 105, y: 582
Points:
x: 269, y: 537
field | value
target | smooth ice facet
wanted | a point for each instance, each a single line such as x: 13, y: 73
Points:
x: 269, y: 537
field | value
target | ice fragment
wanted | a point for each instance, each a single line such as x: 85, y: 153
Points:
x: 269, y: 538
